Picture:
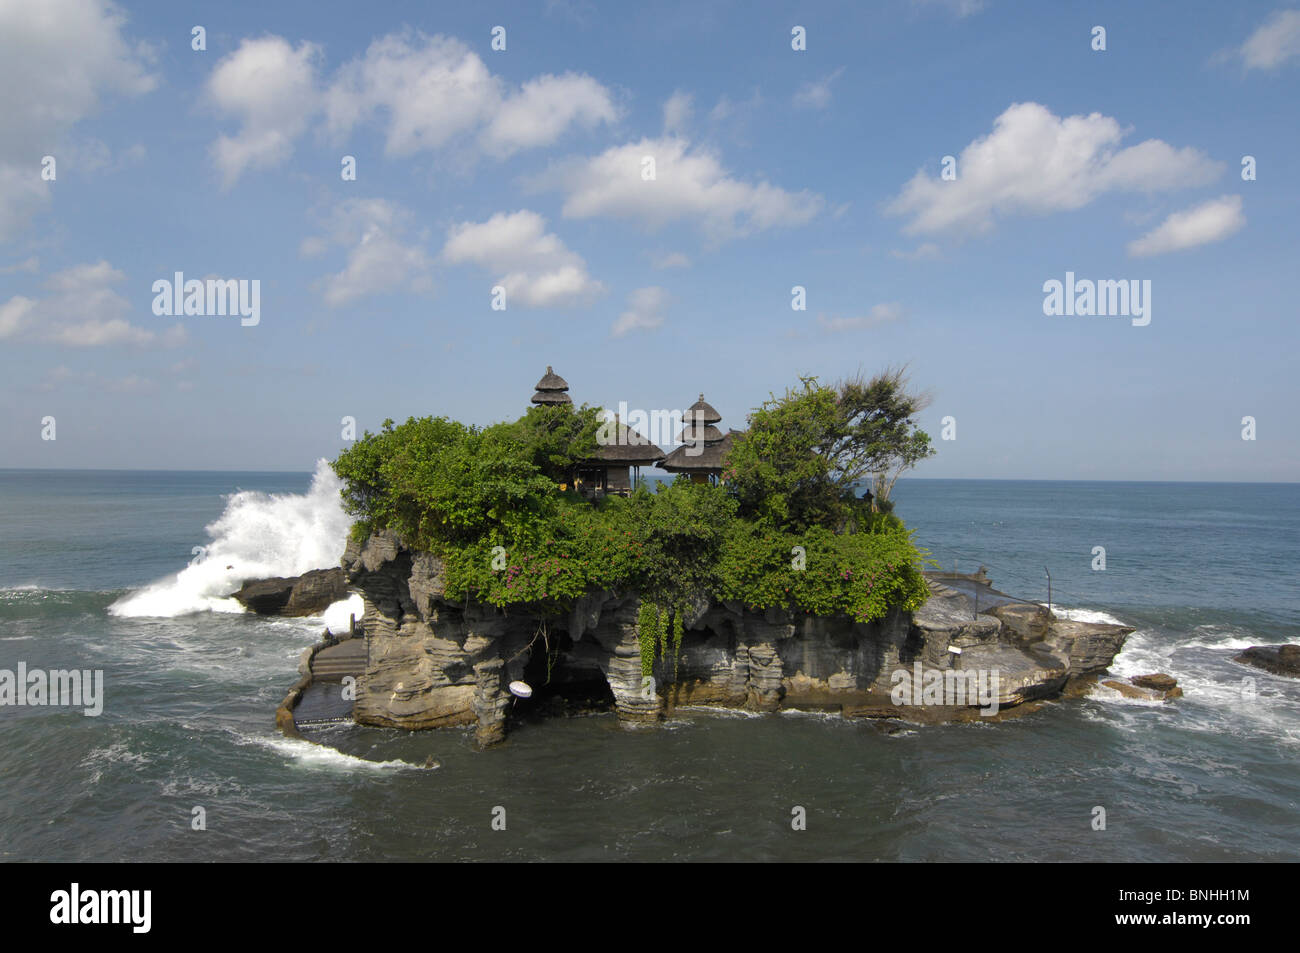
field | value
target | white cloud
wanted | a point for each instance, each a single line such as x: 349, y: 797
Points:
x: 817, y: 95
x: 541, y: 112
x: 645, y: 307
x: 425, y: 93
x: 674, y: 259
x: 958, y: 8
x: 30, y: 265
x: 880, y: 314
x: 925, y: 251
x: 56, y: 376
x: 1210, y: 221
x: 131, y: 384
x: 15, y: 315
x: 83, y: 309
x: 89, y: 155
x: 677, y: 112
x: 270, y: 87
x: 21, y: 192
x: 1274, y: 42
x: 533, y: 265
x: 59, y: 59
x: 428, y: 88
x: 1035, y: 162
x: 690, y: 184
x: 381, y: 259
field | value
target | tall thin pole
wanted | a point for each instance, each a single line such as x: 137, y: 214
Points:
x: 1049, y: 588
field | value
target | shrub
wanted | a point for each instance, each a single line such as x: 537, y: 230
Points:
x: 487, y: 502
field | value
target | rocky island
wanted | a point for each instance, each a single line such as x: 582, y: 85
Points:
x: 519, y: 568
x: 436, y: 662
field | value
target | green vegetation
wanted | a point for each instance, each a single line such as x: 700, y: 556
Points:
x: 785, y: 529
x: 804, y: 454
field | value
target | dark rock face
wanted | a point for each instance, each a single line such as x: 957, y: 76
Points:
x: 1278, y: 659
x: 308, y: 594
x: 436, y: 663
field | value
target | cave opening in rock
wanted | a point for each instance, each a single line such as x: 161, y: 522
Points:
x: 566, y: 680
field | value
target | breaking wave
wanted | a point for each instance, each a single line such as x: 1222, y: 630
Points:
x: 259, y: 535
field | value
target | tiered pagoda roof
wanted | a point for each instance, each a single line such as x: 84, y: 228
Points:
x: 551, y: 389
x: 703, y: 445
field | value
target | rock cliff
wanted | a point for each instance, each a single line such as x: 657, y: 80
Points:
x: 434, y: 663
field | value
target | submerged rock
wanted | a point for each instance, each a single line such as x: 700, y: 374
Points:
x: 1278, y: 659
x: 1158, y: 681
x: 1155, y: 687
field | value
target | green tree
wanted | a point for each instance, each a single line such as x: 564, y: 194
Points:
x: 805, y: 453
x: 681, y: 528
x: 558, y: 437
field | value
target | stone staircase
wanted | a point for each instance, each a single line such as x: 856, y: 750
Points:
x: 333, y: 663
x: 322, y: 702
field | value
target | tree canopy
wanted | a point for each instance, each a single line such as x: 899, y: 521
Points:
x: 806, y: 453
x: 786, y: 529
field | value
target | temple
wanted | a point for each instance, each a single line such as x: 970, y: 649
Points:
x: 551, y: 389
x: 703, y: 446
x: 616, y: 466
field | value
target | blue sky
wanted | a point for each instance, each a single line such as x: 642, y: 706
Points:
x: 775, y: 168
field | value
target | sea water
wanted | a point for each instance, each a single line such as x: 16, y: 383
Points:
x: 129, y: 573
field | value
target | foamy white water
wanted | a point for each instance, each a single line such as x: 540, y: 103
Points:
x: 1086, y: 615
x: 338, y: 617
x: 310, y: 755
x: 258, y: 536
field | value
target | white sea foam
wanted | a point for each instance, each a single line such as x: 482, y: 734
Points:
x: 1229, y: 644
x: 339, y: 615
x: 100, y: 759
x: 1223, y: 638
x: 720, y: 711
x: 259, y: 535
x: 1214, y: 696
x: 311, y: 755
x: 1113, y: 696
x: 1086, y: 615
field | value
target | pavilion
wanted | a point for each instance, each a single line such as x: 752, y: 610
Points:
x: 616, y: 466
x: 703, y: 446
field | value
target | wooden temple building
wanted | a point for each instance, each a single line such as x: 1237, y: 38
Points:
x: 703, y: 446
x: 551, y: 389
x: 616, y: 467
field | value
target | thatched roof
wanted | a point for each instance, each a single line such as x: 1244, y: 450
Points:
x: 687, y: 459
x: 551, y: 397
x: 630, y: 448
x: 690, y: 433
x: 711, y: 416
x: 551, y: 389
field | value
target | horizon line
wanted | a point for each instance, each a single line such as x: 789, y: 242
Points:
x: 901, y: 479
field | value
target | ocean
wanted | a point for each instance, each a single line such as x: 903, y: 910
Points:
x: 126, y: 572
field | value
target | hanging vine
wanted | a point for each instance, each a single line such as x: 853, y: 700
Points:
x: 660, y: 630
x: 677, y: 637
x: 662, y: 633
x: 648, y: 626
